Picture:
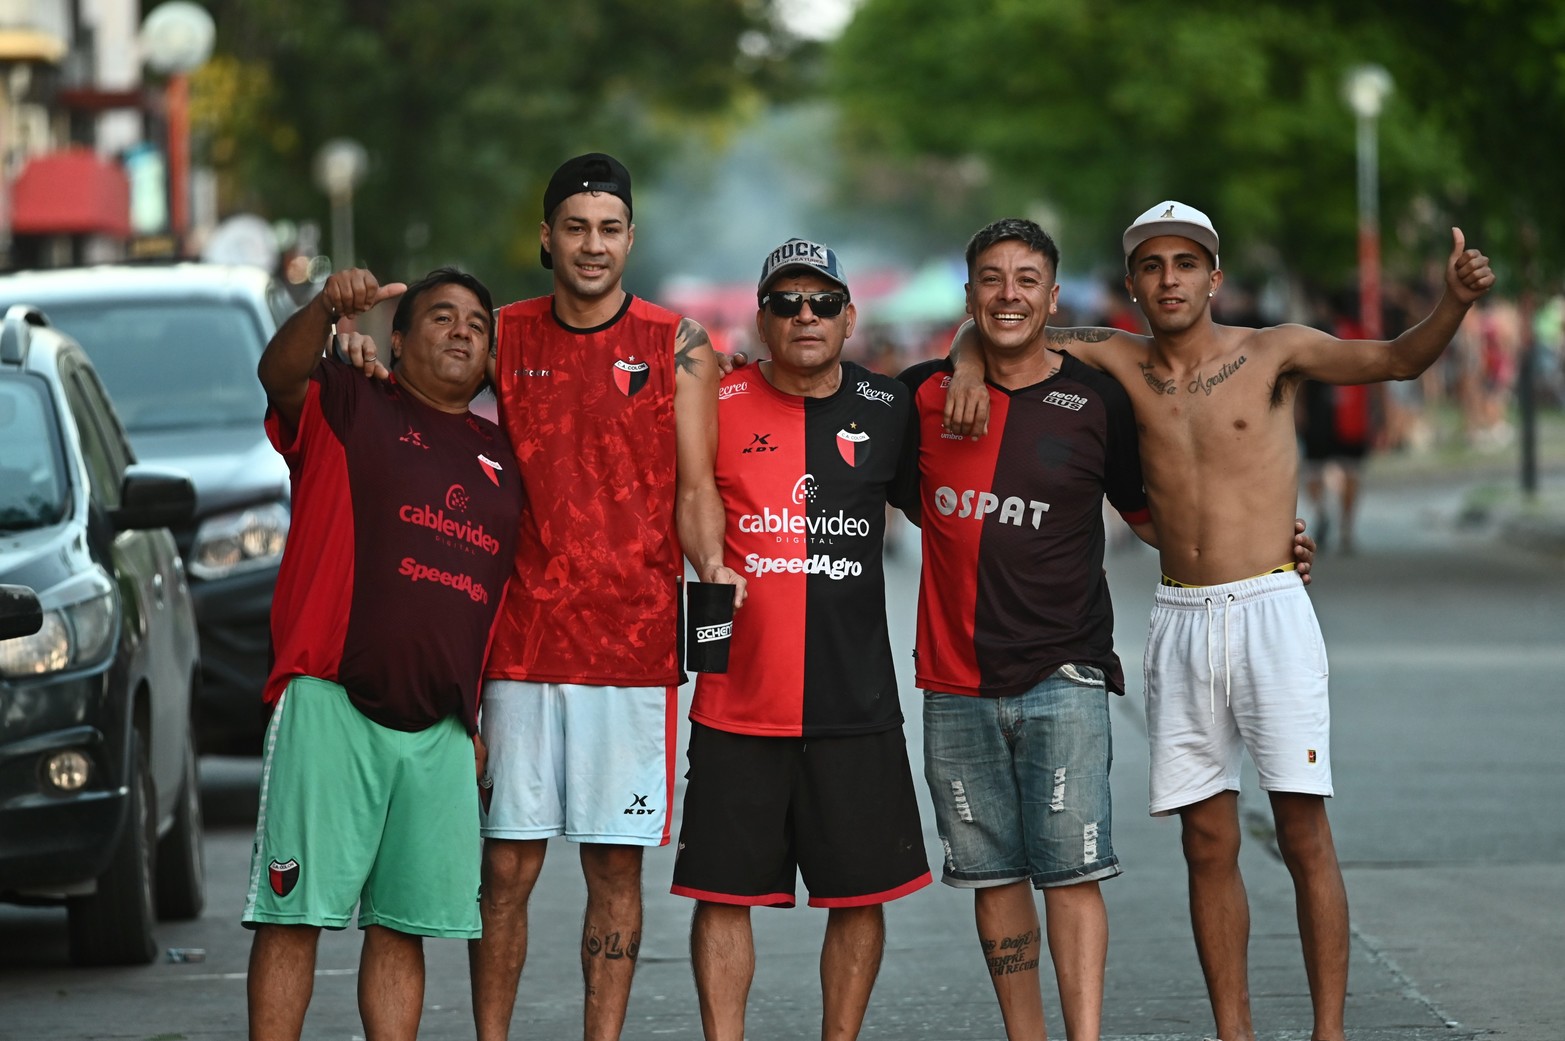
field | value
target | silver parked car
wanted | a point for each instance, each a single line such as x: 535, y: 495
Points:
x: 177, y: 347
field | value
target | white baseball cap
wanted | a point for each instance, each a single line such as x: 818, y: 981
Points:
x: 1172, y: 218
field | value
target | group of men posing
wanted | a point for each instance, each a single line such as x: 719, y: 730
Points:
x: 434, y: 553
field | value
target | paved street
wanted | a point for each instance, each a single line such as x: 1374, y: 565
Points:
x: 1449, y: 716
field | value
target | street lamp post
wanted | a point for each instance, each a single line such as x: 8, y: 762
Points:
x: 176, y: 39
x: 340, y: 167
x: 1365, y: 89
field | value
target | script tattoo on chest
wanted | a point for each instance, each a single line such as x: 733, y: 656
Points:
x: 1158, y: 386
x: 1206, y: 385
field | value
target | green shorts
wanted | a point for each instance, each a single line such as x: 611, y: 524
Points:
x: 354, y: 813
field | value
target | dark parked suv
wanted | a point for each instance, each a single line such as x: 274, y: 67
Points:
x: 177, y: 346
x: 99, y: 800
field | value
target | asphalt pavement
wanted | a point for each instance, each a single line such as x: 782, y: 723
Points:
x: 1449, y: 714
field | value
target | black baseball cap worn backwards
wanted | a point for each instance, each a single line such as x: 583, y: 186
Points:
x: 593, y: 172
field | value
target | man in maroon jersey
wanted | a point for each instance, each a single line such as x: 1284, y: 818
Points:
x: 611, y: 405
x: 404, y: 527
x: 811, y: 449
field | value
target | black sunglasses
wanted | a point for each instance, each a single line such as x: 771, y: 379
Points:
x: 822, y: 305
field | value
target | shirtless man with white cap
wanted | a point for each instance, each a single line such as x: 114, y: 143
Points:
x: 1215, y: 407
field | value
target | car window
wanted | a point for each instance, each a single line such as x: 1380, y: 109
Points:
x: 105, y: 466
x: 32, y: 466
x: 171, y: 364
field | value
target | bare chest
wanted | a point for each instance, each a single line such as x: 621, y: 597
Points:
x: 1224, y: 407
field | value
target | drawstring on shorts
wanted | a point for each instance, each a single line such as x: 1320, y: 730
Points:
x: 1211, y: 672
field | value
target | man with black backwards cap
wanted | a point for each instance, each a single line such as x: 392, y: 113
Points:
x: 1235, y: 659
x: 611, y: 406
x: 797, y: 758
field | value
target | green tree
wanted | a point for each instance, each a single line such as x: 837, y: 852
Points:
x: 465, y: 108
x: 1098, y: 111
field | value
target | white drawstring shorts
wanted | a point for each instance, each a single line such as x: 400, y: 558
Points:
x: 1231, y: 667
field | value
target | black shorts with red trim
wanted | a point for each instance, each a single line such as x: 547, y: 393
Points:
x: 759, y: 811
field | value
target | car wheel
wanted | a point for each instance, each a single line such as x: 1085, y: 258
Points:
x: 181, y: 878
x: 114, y: 925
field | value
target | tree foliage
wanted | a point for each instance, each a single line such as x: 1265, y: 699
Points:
x: 1097, y: 111
x: 465, y: 108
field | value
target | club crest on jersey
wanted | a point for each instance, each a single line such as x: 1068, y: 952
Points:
x: 630, y: 376
x: 491, y: 469
x: 283, y: 875
x: 853, y: 445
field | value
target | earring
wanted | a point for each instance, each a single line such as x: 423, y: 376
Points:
x: 1213, y: 293
x: 1134, y: 300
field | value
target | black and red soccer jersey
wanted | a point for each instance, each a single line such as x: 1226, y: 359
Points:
x: 805, y: 482
x: 1013, y: 584
x: 402, y: 539
x: 591, y: 415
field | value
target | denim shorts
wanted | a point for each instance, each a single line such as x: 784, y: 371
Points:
x: 1021, y: 784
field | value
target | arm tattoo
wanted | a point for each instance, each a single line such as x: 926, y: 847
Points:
x: 1158, y: 386
x: 1065, y: 337
x: 689, y: 337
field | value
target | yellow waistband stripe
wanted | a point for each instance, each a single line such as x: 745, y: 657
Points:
x: 1289, y: 566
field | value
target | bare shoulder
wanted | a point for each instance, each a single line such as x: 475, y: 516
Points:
x: 692, y: 347
x: 1278, y: 345
x: 1279, y: 338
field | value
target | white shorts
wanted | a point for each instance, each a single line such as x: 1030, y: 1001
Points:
x: 589, y: 763
x: 1231, y: 666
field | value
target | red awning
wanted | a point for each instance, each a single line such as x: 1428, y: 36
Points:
x: 71, y: 192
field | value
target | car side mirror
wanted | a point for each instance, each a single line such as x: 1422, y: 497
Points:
x: 153, y: 497
x: 20, y: 614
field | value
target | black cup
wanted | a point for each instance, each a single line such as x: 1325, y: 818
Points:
x: 710, y: 618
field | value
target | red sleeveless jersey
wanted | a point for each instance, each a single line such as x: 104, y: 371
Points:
x: 590, y: 414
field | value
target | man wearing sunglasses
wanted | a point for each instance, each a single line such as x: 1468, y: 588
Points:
x: 797, y: 761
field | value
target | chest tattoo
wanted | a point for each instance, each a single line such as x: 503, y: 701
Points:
x: 1206, y: 385
x: 1158, y: 386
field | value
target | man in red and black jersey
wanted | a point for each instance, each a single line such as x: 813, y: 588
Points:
x: 811, y: 450
x: 403, y: 534
x: 611, y: 405
x: 1015, y: 631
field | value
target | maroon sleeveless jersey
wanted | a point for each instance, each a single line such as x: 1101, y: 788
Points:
x: 403, y: 533
x: 590, y: 414
x: 1013, y: 584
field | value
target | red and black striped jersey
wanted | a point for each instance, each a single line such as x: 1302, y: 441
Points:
x: 1013, y: 584
x: 590, y: 413
x: 805, y: 482
x: 402, y: 539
